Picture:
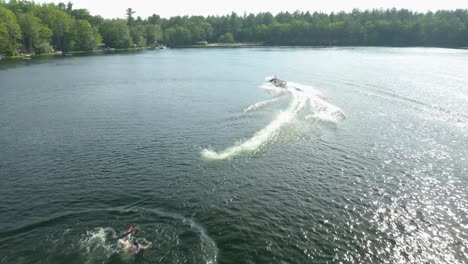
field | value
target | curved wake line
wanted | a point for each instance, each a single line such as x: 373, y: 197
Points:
x: 259, y: 105
x: 325, y: 111
x: 260, y: 137
x: 321, y: 109
x: 209, y: 244
x: 208, y: 241
x: 99, y: 242
x: 302, y: 95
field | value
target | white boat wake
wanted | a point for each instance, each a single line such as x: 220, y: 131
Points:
x: 302, y: 96
x: 261, y: 104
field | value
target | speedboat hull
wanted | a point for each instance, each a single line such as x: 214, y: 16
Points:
x: 278, y: 83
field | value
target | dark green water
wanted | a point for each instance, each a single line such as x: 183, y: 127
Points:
x: 362, y: 159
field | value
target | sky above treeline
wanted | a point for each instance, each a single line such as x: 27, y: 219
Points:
x: 169, y: 8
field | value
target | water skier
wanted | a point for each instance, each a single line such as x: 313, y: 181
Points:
x: 134, y: 247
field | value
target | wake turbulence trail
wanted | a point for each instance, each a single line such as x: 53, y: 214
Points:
x: 300, y: 97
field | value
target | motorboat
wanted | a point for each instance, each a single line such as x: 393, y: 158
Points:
x: 278, y: 82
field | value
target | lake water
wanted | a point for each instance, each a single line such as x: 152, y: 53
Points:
x: 362, y: 158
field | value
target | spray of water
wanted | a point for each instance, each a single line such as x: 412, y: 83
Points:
x: 97, y: 244
x: 260, y: 104
x: 302, y: 96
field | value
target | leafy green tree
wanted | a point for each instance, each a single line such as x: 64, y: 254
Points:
x: 207, y: 29
x: 4, y: 40
x: 284, y: 17
x: 116, y: 34
x: 30, y: 27
x: 153, y: 34
x: 42, y: 44
x: 177, y: 36
x: 84, y: 36
x: 12, y: 29
x: 38, y: 25
x: 82, y: 14
x: 20, y: 6
x: 96, y: 21
x: 227, y: 38
x: 62, y: 6
x: 60, y: 23
x: 36, y: 36
x: 235, y: 24
x: 69, y: 7
x: 267, y: 18
x: 197, y: 32
x: 138, y: 21
x: 138, y: 35
x: 97, y: 36
x: 261, y: 32
x: 154, y: 19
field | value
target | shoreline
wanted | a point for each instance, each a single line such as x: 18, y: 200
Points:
x: 210, y: 45
x: 223, y: 45
x: 60, y: 54
x: 261, y: 44
x: 238, y: 45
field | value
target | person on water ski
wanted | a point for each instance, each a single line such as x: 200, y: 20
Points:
x: 134, y: 247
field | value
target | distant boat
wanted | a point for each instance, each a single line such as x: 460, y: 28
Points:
x: 278, y: 83
x: 282, y: 84
x: 27, y: 57
x: 162, y: 47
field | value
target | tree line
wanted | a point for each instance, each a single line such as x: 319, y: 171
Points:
x: 28, y: 27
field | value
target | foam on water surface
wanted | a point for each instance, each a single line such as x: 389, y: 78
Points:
x: 301, y: 95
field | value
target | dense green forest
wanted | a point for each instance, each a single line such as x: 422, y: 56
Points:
x: 27, y: 27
